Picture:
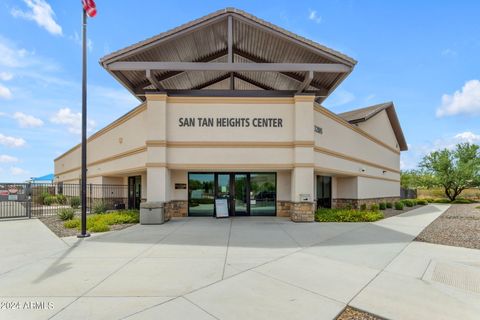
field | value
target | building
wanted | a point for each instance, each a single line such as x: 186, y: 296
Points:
x: 231, y: 109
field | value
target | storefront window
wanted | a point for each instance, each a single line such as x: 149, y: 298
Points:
x: 201, y: 194
x: 262, y: 194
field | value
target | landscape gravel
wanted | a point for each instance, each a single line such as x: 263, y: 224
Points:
x: 459, y: 226
x: 354, y: 314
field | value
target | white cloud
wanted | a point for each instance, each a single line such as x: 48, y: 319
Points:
x: 411, y: 158
x: 10, y: 56
x: 40, y: 12
x: 16, y: 171
x: 465, y: 100
x: 14, y: 57
x: 5, y: 93
x: 313, y: 15
x: 11, y: 141
x: 78, y: 40
x: 6, y: 76
x: 72, y: 120
x: 449, y: 52
x: 27, y: 121
x: 468, y: 136
x: 7, y: 159
x: 340, y: 97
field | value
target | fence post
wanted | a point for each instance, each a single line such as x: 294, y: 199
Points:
x: 29, y: 200
x: 91, y: 208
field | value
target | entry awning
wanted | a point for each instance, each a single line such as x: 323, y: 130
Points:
x: 229, y: 52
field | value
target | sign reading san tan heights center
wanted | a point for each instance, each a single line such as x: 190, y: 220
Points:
x: 231, y: 122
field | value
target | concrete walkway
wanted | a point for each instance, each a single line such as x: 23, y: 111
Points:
x: 241, y: 268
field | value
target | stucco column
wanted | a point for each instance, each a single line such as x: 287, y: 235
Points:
x: 158, y: 176
x: 302, y: 174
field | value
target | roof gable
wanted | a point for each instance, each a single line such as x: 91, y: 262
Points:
x: 206, y: 40
x: 364, y: 114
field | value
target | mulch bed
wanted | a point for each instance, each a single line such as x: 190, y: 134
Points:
x: 56, y: 226
x: 392, y: 212
x: 459, y: 226
x: 354, y: 314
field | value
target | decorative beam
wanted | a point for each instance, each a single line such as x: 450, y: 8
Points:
x: 228, y: 67
x: 306, y: 82
x: 253, y: 82
x: 170, y: 74
x: 213, y: 81
x: 151, y: 77
x: 230, y: 49
x: 290, y: 75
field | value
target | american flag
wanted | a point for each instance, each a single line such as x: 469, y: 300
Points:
x: 90, y: 7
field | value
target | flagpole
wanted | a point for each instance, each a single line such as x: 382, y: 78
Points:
x: 84, y: 233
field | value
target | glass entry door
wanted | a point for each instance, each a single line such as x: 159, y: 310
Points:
x: 324, y: 192
x: 134, y: 192
x: 240, y: 201
x: 246, y: 193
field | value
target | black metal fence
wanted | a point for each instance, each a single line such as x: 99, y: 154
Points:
x: 36, y: 200
x: 408, y: 193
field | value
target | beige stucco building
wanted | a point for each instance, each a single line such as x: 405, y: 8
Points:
x: 231, y: 110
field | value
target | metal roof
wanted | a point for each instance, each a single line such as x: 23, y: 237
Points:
x: 363, y: 114
x: 219, y: 48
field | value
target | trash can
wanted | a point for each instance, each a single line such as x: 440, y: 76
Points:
x: 152, y: 213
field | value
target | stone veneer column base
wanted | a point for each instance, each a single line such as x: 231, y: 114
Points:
x: 303, y: 212
x: 176, y: 208
x: 356, y: 203
x: 284, y: 208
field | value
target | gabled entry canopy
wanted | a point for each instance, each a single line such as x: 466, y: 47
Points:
x: 229, y: 52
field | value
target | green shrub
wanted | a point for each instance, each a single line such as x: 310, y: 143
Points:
x: 477, y: 207
x: 398, y: 205
x: 462, y: 201
x: 101, y: 222
x: 422, y: 202
x: 70, y: 224
x: 408, y: 202
x: 49, y: 200
x: 75, y: 202
x: 99, y: 207
x: 382, y: 206
x: 99, y: 226
x: 66, y: 214
x: 429, y: 200
x: 347, y: 215
x: 374, y: 207
x: 61, y: 199
x: 441, y: 200
x: 363, y: 207
x: 42, y: 196
x: 389, y: 205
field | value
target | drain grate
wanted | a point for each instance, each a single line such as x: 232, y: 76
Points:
x: 457, y: 275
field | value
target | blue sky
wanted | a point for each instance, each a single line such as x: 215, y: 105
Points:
x: 423, y: 55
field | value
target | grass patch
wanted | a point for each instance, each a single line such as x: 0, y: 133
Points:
x: 66, y: 214
x: 101, y: 222
x: 347, y: 215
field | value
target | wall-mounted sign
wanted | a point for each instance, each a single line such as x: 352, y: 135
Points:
x: 221, y: 208
x: 305, y: 197
x: 12, y: 197
x: 180, y: 186
x: 231, y: 122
